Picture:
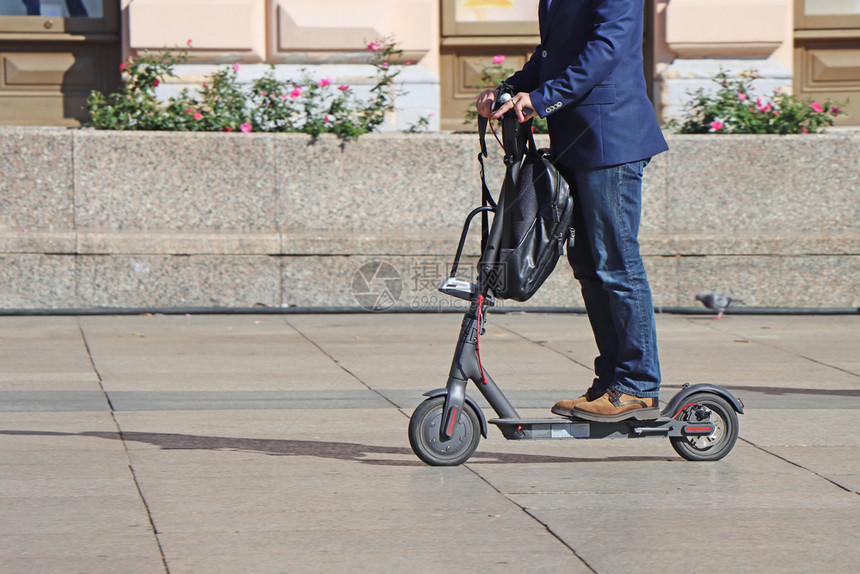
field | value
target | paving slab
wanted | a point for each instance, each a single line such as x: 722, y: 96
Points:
x: 44, y: 355
x: 699, y: 540
x: 68, y: 497
x: 205, y: 352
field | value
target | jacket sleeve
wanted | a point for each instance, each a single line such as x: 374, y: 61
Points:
x: 613, y: 29
x: 526, y: 79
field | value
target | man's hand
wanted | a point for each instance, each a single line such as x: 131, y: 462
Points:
x: 485, y: 102
x: 522, y: 106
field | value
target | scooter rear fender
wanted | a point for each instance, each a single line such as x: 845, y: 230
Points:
x: 677, y: 402
x: 443, y: 391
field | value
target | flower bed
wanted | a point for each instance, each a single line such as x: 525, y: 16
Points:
x: 305, y: 105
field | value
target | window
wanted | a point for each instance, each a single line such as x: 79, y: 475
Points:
x: 831, y: 7
x: 826, y: 14
x: 52, y: 8
x: 489, y: 17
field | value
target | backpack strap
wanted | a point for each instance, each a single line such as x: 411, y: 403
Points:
x: 482, y: 134
x: 486, y: 196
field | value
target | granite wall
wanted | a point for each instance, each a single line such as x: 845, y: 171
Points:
x: 93, y: 220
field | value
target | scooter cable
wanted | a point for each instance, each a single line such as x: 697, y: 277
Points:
x: 478, y: 339
x: 682, y: 409
x: 495, y: 135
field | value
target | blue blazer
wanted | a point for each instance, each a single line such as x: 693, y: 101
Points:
x: 586, y: 78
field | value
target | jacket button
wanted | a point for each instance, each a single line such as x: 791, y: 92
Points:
x: 543, y: 53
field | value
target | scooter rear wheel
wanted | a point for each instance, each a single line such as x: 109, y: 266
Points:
x: 428, y: 443
x: 707, y: 407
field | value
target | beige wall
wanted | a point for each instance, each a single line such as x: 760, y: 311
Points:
x: 724, y: 29
x: 283, y: 31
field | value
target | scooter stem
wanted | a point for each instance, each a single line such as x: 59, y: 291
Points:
x: 465, y: 367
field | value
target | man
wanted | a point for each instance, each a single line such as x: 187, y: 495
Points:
x: 586, y: 78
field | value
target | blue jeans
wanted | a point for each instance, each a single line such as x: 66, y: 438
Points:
x: 606, y: 261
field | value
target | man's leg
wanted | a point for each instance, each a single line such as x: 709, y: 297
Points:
x: 596, y: 299
x: 596, y: 306
x: 607, y: 262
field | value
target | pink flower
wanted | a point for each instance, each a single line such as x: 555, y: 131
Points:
x: 374, y: 46
x: 227, y: 129
x: 236, y: 67
x: 246, y: 128
x: 804, y: 130
x: 198, y: 116
x: 384, y: 64
x: 264, y: 94
x: 283, y: 96
x: 408, y: 62
x: 816, y: 108
x: 716, y: 126
x: 499, y: 59
x: 762, y: 106
x: 189, y: 42
x: 189, y: 111
x: 324, y: 82
x: 835, y: 110
x: 123, y: 66
x: 343, y: 88
x: 155, y: 82
x: 742, y: 96
x: 297, y: 91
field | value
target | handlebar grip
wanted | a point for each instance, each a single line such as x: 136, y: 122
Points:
x: 506, y: 97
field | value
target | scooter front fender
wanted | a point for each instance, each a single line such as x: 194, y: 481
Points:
x: 677, y: 402
x: 471, y: 402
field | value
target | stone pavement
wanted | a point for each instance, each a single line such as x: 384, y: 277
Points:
x: 277, y: 443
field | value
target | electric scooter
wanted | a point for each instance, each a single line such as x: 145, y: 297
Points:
x: 700, y: 421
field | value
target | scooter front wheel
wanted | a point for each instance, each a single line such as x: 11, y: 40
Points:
x: 431, y: 446
x: 707, y: 407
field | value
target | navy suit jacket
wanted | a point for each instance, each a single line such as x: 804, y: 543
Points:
x: 586, y: 78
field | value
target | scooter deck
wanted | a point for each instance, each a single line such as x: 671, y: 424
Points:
x: 565, y: 428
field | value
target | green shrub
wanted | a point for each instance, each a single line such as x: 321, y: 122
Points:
x: 732, y: 110
x: 309, y: 105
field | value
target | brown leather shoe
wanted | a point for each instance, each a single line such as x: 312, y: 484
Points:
x: 615, y: 406
x: 565, y: 408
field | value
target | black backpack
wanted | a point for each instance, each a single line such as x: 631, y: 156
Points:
x: 536, y: 210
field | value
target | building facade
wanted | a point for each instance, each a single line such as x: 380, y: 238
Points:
x: 53, y: 52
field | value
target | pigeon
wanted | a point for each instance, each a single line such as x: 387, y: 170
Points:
x: 718, y: 302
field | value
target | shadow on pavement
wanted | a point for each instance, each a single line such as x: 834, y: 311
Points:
x: 322, y: 449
